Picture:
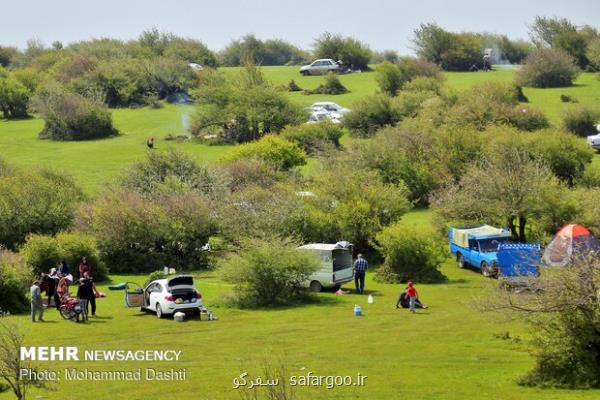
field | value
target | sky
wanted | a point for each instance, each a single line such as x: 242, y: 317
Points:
x: 383, y: 24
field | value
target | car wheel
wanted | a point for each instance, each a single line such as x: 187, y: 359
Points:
x: 460, y: 260
x: 315, y: 286
x: 305, y: 73
x: 486, y: 270
x: 159, y: 312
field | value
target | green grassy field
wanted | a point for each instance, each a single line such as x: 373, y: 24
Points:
x: 95, y: 163
x: 450, y: 351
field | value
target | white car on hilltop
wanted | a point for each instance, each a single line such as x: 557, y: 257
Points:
x: 171, y: 295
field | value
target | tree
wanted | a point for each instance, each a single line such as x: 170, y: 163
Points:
x: 451, y: 51
x: 6, y: 55
x: 11, y: 364
x: 14, y: 96
x: 563, y: 307
x: 574, y: 44
x: 593, y: 53
x: 243, y: 108
x: 351, y: 51
x: 544, y: 30
x: 268, y: 52
x: 508, y: 188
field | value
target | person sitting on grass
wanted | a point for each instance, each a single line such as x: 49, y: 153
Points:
x: 403, y: 299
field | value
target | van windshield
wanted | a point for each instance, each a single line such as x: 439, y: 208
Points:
x: 342, y: 259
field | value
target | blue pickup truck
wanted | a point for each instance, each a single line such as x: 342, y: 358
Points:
x: 478, y: 247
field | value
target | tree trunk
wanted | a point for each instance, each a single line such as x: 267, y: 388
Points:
x: 522, y: 223
x: 512, y: 227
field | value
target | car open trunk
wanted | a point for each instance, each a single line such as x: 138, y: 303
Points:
x: 182, y: 287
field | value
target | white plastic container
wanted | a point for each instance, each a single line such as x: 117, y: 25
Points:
x: 370, y: 299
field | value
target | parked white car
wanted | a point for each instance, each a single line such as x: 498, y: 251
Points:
x: 168, y: 296
x: 321, y: 66
x: 336, y: 268
x: 322, y: 115
x: 332, y: 108
x: 594, y: 140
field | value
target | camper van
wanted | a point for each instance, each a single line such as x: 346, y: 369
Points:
x: 336, y: 265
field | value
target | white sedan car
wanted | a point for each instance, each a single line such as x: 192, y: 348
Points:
x: 168, y: 296
x: 594, y: 140
x: 334, y: 109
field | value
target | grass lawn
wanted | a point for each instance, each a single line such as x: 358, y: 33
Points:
x: 95, y: 163
x: 450, y: 351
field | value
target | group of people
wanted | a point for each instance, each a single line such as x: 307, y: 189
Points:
x: 56, y: 285
x: 409, y: 298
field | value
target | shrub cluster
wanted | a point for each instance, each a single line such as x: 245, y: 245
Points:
x: 351, y: 51
x: 332, y: 85
x: 43, y: 252
x: 34, y: 201
x: 269, y: 273
x: 410, y: 253
x: 314, y: 137
x: 581, y: 120
x: 15, y: 280
x: 370, y: 114
x: 547, y: 68
x: 69, y: 116
x: 274, y: 150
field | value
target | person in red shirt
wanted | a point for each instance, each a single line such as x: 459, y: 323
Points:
x: 412, y: 294
x: 84, y: 267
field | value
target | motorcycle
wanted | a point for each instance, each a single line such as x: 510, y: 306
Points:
x: 71, y: 309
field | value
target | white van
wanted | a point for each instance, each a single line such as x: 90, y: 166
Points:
x: 336, y: 265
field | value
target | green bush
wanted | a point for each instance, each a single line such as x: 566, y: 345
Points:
x: 350, y: 206
x: 314, y: 137
x: 411, y: 68
x: 547, y: 67
x: 452, y: 51
x: 268, y: 52
x: 161, y: 171
x: 590, y: 177
x: 581, y: 120
x: 15, y: 280
x: 389, y: 78
x: 154, y: 276
x: 424, y: 84
x: 293, y: 87
x: 410, y: 253
x: 527, y: 118
x: 593, y: 53
x: 566, y: 155
x: 35, y: 201
x: 410, y: 103
x: 242, y: 109
x: 351, y: 51
x: 332, y: 86
x: 43, y: 252
x: 14, y: 96
x: 370, y: 114
x: 276, y: 151
x: 137, y: 233
x: 269, y: 272
x: 70, y: 116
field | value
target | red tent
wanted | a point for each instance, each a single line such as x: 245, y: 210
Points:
x: 571, y: 243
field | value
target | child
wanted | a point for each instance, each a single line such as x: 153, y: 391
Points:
x: 411, y: 292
